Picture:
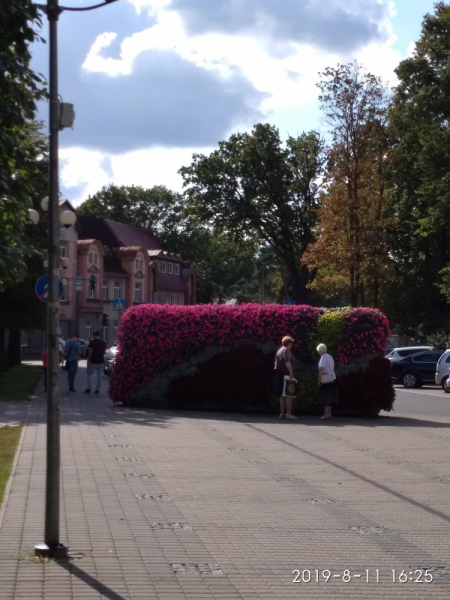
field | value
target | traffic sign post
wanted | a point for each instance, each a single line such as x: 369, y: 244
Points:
x: 41, y: 288
x: 119, y: 304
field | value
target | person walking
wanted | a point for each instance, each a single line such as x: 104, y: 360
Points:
x: 284, y: 362
x: 62, y: 343
x: 95, y: 361
x: 327, y: 382
x: 72, y: 351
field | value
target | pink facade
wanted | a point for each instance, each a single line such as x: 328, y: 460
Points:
x: 114, y: 261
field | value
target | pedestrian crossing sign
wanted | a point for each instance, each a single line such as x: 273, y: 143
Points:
x: 119, y: 304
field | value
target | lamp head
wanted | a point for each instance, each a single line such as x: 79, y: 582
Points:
x: 68, y: 218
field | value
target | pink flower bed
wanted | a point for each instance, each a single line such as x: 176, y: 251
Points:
x: 153, y: 338
x: 366, y: 331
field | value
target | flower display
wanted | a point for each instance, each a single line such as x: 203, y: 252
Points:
x: 155, y: 339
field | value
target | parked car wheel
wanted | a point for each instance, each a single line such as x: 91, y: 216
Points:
x: 446, y: 385
x: 444, y: 382
x: 410, y: 380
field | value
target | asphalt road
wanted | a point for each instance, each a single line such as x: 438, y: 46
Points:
x: 428, y: 400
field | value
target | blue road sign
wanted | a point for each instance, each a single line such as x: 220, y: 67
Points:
x: 41, y: 288
x: 119, y: 304
x: 288, y: 302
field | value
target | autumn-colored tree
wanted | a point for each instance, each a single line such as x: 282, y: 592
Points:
x: 351, y: 251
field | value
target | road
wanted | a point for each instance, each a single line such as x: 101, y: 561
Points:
x: 428, y: 400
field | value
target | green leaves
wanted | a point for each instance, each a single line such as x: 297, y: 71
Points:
x: 254, y: 188
x: 20, y: 88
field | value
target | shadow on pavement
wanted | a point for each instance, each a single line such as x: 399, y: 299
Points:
x: 96, y: 585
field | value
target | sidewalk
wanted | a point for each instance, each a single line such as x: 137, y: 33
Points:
x: 173, y: 506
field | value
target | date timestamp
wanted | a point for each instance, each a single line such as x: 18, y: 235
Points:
x: 368, y: 576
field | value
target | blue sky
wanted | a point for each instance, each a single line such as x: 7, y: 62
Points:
x: 154, y: 81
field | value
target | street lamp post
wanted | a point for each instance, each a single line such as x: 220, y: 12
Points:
x: 52, y: 546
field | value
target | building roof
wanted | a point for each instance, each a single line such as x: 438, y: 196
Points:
x: 127, y: 235
x: 171, y: 283
x: 90, y: 227
x: 111, y: 264
x: 163, y: 254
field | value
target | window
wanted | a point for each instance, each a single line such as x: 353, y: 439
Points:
x: 105, y: 290
x: 95, y: 258
x: 163, y: 267
x: 141, y: 265
x: 136, y: 264
x: 64, y: 294
x: 180, y: 299
x: 91, y: 258
x: 447, y: 360
x: 170, y: 268
x: 115, y: 330
x: 88, y: 330
x: 172, y: 299
x: 92, y: 287
x: 105, y: 334
x: 158, y: 265
x: 176, y: 269
x: 62, y: 249
x: 138, y: 291
x: 117, y: 289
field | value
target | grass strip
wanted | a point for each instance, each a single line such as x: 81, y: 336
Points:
x: 20, y: 382
x: 9, y: 438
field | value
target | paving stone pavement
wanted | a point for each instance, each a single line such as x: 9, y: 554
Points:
x: 158, y: 504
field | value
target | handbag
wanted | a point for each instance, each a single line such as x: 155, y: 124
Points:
x: 290, y: 387
x: 328, y: 377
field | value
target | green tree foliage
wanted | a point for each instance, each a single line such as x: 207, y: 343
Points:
x: 20, y: 88
x: 19, y: 307
x: 420, y: 175
x: 256, y: 189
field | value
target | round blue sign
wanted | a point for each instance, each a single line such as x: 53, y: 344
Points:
x: 41, y: 288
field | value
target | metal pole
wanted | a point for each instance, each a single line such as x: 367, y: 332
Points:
x: 52, y: 544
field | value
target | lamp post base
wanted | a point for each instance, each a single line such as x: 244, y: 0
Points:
x: 59, y: 552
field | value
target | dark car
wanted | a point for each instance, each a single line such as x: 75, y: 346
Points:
x: 110, y: 357
x: 417, y: 369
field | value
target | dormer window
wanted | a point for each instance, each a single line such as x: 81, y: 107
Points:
x: 170, y: 268
x: 141, y: 265
x: 176, y: 269
x: 91, y: 258
x: 163, y: 267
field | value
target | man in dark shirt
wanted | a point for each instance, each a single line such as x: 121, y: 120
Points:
x: 95, y: 359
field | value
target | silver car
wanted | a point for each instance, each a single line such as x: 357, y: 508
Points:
x: 110, y: 357
x: 442, y: 371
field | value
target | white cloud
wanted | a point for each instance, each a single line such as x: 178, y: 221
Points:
x: 84, y: 171
x: 287, y: 77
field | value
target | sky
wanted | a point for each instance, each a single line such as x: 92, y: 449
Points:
x: 155, y: 81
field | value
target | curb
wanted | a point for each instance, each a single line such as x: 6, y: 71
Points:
x: 8, y: 487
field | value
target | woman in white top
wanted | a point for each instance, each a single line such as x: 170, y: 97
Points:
x: 327, y: 390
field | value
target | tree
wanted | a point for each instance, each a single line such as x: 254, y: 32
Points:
x: 351, y: 252
x: 20, y: 88
x: 419, y: 179
x: 19, y: 307
x: 255, y: 189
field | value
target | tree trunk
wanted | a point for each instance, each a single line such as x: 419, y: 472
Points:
x: 300, y: 293
x: 3, y: 366
x: 14, y: 355
x: 375, y: 293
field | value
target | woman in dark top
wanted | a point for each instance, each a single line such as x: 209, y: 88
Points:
x: 284, y: 365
